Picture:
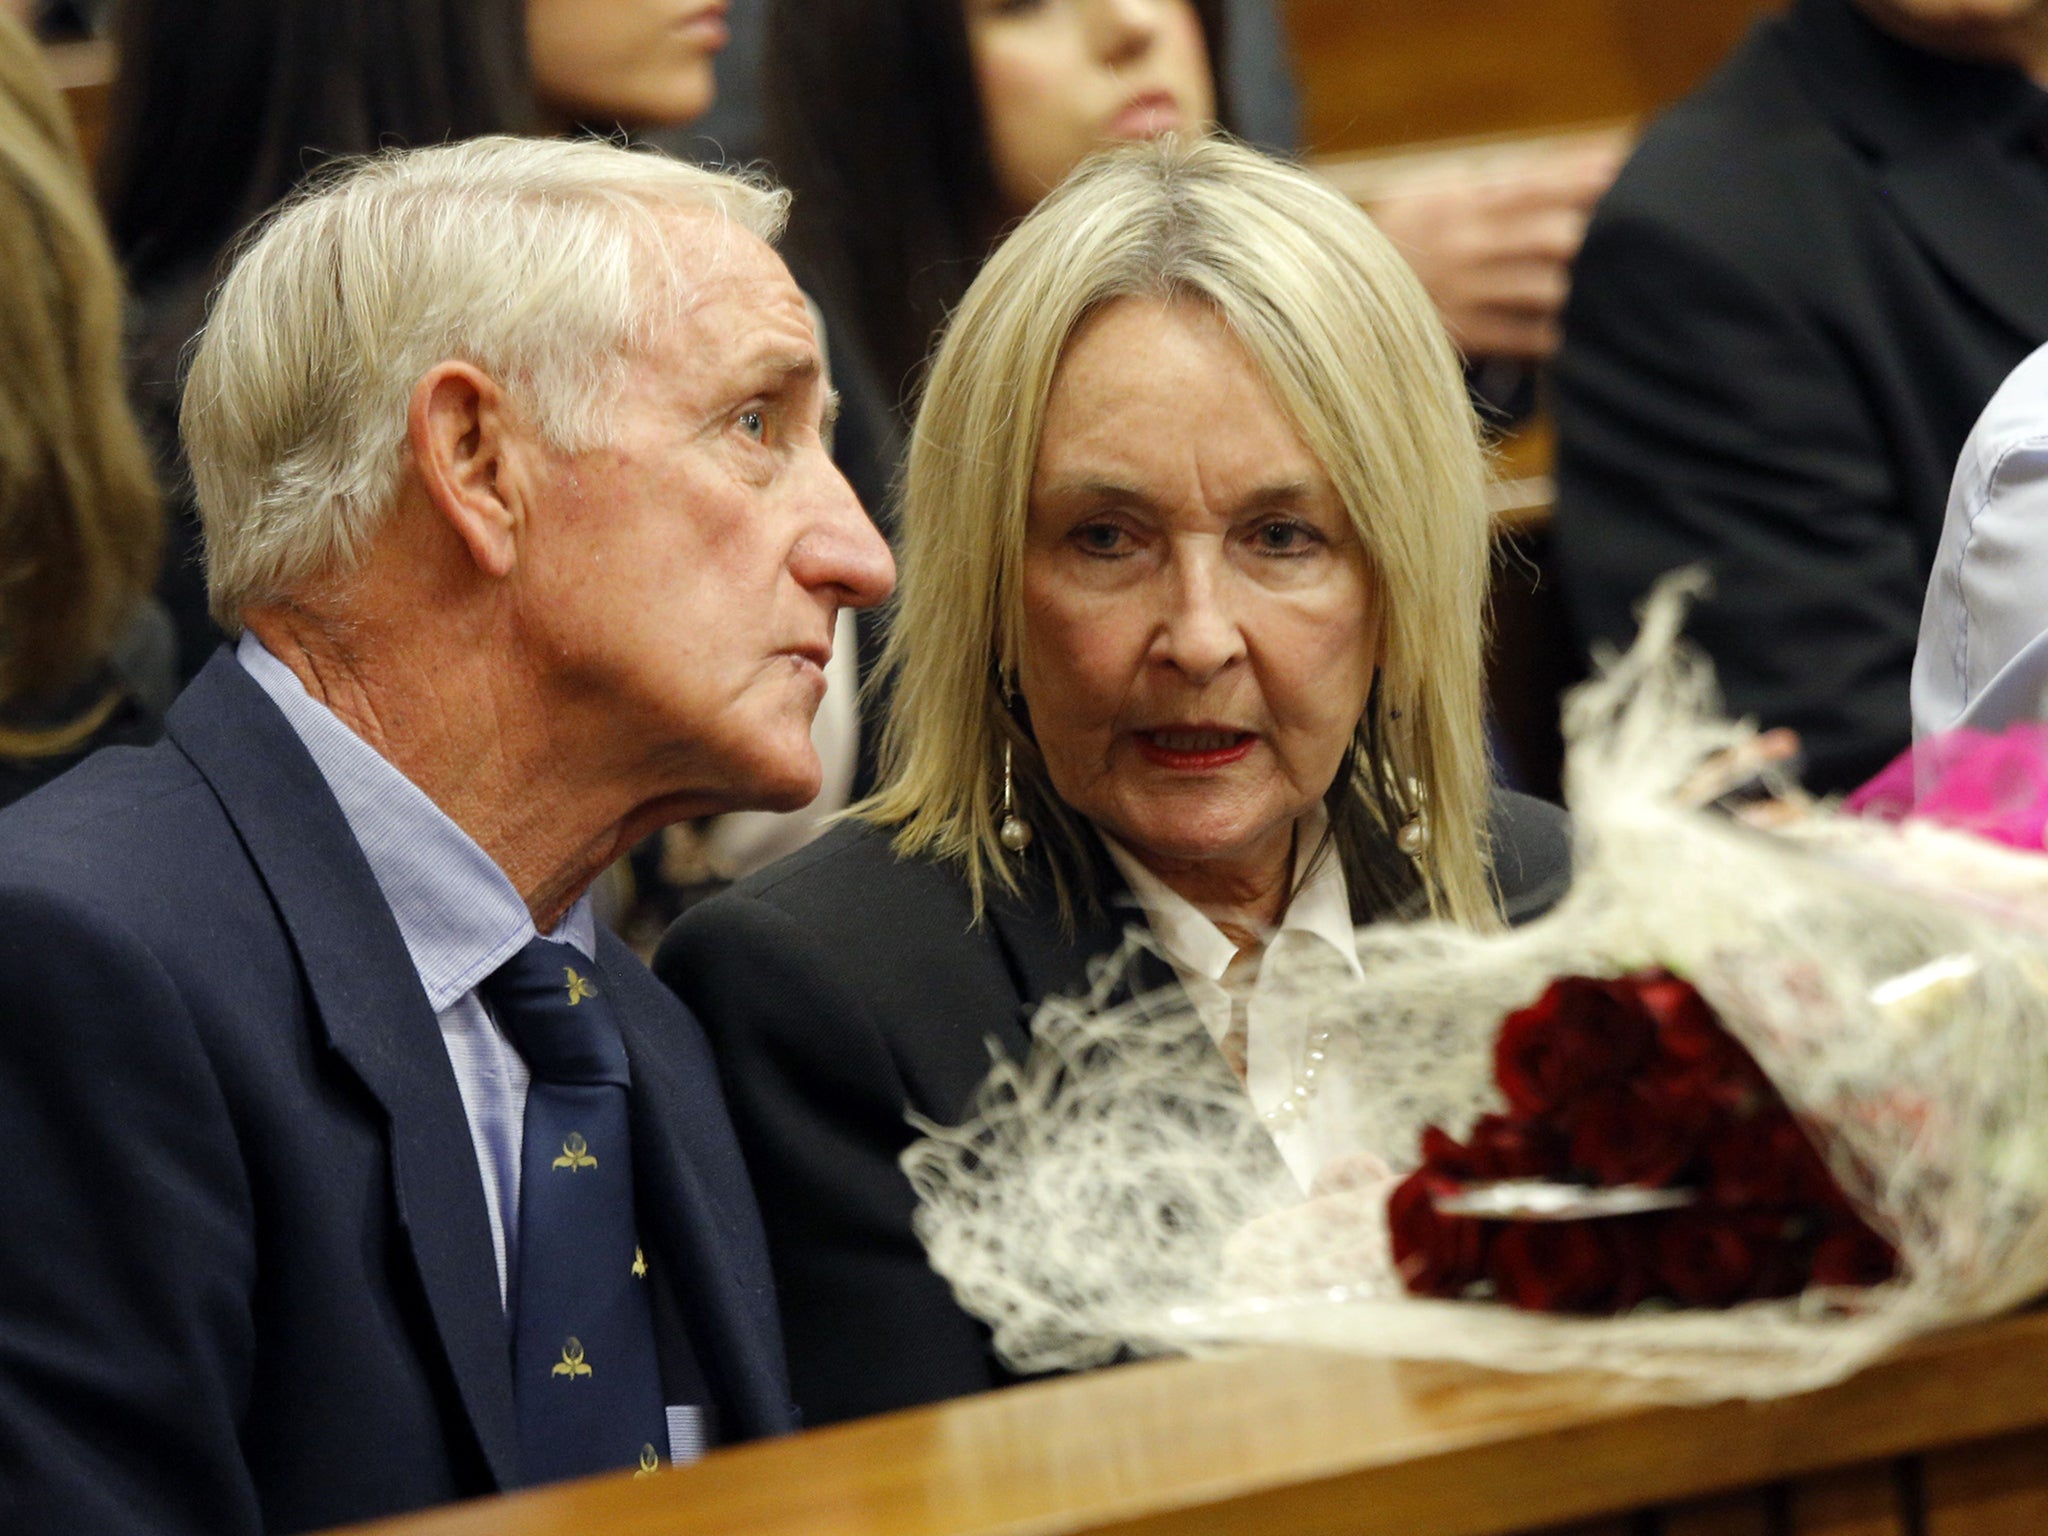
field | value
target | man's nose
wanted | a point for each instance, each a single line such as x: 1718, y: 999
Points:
x: 844, y: 549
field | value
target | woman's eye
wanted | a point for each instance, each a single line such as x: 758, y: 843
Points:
x: 1100, y: 539
x: 1284, y: 537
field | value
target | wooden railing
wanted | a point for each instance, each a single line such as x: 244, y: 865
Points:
x: 84, y: 72
x: 1950, y: 1439
x: 1378, y: 73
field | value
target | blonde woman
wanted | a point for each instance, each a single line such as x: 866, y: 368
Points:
x: 1193, y: 558
x: 84, y: 655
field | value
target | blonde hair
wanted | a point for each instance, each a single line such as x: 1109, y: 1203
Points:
x: 546, y: 263
x: 1351, y: 347
x: 81, y: 528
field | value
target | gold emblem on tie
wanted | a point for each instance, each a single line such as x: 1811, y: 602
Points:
x: 649, y: 1462
x: 571, y: 1364
x: 579, y: 986
x: 639, y: 1263
x: 575, y: 1153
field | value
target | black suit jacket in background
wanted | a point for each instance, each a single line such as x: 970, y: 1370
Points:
x: 842, y: 987
x: 246, y: 1273
x: 1788, y: 312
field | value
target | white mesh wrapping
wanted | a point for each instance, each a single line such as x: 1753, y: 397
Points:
x: 1118, y: 1191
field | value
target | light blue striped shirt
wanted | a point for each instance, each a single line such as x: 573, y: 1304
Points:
x: 460, y: 918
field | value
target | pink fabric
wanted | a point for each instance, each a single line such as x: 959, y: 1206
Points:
x: 1994, y: 784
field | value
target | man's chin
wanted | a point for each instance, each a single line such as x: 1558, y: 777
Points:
x: 780, y: 786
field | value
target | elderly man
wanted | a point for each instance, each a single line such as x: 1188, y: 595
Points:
x: 353, y: 1169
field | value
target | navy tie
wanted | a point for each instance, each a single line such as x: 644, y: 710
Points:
x: 586, y: 1377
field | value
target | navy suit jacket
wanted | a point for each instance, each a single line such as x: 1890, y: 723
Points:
x: 246, y: 1276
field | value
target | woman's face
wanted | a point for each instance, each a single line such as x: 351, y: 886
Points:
x: 636, y: 63
x: 1200, y: 625
x: 1059, y: 79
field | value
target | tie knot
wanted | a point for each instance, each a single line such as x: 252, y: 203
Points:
x: 550, y: 1003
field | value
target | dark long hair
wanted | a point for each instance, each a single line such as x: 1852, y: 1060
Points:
x: 223, y: 106
x: 874, y: 123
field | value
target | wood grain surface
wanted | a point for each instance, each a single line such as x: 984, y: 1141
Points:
x: 1302, y: 1442
x: 1382, y: 72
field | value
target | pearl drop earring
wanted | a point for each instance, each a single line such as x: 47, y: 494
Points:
x: 1015, y: 832
x: 1412, y: 836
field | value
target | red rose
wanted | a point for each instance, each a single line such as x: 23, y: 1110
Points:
x: 1635, y: 1240
x: 1628, y: 1138
x: 1557, y: 1266
x: 1717, y: 1258
x: 1766, y: 1160
x: 1436, y: 1255
x: 1702, y: 1068
x: 1581, y: 1035
x: 1849, y: 1253
x: 1443, y: 1153
x: 1672, y: 1002
x: 1505, y: 1148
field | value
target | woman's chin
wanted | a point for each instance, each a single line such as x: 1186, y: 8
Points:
x: 1180, y: 841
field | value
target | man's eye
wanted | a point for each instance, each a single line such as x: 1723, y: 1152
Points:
x: 754, y: 424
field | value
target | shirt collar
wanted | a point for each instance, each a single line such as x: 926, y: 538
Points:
x: 1321, y: 908
x: 459, y: 915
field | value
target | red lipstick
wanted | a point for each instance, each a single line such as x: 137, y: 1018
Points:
x: 1194, y: 748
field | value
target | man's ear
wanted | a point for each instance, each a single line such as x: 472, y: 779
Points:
x: 467, y: 439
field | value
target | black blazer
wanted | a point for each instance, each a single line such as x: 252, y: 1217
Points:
x: 246, y: 1281
x: 1787, y: 314
x: 843, y: 987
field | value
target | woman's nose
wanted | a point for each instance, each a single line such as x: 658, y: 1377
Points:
x: 1125, y: 29
x: 1199, y: 633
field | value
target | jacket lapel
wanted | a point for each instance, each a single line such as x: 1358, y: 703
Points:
x: 1984, y: 217
x: 1047, y: 961
x: 367, y: 999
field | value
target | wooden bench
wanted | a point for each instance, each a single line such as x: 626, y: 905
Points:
x: 1950, y: 1439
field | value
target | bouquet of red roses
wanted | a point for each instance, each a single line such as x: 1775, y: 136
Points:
x: 1830, y: 1135
x: 1643, y: 1157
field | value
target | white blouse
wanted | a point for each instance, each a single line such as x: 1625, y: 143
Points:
x: 1315, y: 928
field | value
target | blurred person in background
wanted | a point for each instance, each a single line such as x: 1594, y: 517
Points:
x: 1258, y: 65
x: 914, y: 132
x: 1799, y: 295
x: 85, y: 653
x: 1982, y: 660
x: 223, y: 106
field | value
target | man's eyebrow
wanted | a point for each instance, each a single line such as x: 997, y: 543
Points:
x: 781, y: 370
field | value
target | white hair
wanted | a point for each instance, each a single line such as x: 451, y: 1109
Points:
x: 548, y: 264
